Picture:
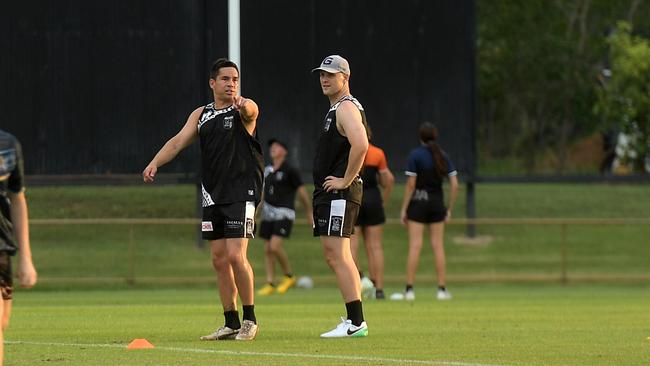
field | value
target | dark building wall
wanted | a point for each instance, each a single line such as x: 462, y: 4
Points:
x: 411, y: 61
x: 97, y: 87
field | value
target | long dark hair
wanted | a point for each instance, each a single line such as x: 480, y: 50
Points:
x: 429, y: 135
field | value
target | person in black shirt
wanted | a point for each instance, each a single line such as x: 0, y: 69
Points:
x: 281, y: 182
x: 423, y: 206
x: 231, y: 171
x: 14, y: 229
x: 340, y: 150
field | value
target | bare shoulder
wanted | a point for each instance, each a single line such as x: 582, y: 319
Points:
x: 197, y: 112
x: 195, y: 115
x: 347, y: 110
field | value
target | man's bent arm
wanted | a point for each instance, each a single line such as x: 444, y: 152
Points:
x: 350, y: 119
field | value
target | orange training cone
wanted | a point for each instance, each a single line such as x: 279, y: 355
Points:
x: 139, y: 343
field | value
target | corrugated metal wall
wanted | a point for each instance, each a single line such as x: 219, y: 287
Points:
x: 97, y: 87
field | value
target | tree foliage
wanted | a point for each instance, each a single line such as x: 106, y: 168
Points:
x: 624, y: 99
x: 538, y: 62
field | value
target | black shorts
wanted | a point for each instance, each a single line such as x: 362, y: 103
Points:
x: 371, y: 213
x: 337, y: 218
x: 6, y: 278
x: 277, y: 227
x: 425, y: 212
x: 233, y: 220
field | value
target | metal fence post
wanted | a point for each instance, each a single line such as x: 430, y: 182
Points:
x: 470, y: 206
x: 130, y: 279
x: 563, y: 255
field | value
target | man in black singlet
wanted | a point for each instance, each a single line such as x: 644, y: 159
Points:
x: 341, y: 147
x: 14, y: 231
x: 231, y: 171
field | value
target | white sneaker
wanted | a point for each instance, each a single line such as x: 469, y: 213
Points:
x: 409, y: 295
x: 347, y: 329
x: 222, y: 333
x: 367, y: 288
x: 397, y: 296
x: 444, y: 295
x: 248, y: 331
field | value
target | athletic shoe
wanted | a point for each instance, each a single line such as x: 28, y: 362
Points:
x: 409, y: 295
x: 248, y: 331
x: 268, y: 289
x: 221, y: 334
x: 286, y: 284
x: 397, y: 296
x: 444, y: 294
x: 347, y: 329
x: 367, y: 288
x: 379, y: 294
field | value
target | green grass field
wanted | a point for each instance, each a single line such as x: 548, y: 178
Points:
x: 482, y: 325
x: 104, y: 285
x: 68, y: 255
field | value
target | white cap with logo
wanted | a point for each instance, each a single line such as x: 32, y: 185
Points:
x: 334, y: 64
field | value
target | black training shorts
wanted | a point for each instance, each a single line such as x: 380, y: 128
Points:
x: 276, y: 227
x: 233, y: 220
x: 336, y: 218
x: 371, y: 213
x: 425, y: 212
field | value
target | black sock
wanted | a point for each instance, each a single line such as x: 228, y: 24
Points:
x: 288, y: 274
x: 355, y: 312
x: 442, y: 288
x: 271, y: 284
x: 249, y: 313
x: 232, y: 319
x: 409, y: 287
x: 373, y: 282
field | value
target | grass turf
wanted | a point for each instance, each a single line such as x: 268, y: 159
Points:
x: 512, y: 324
x: 101, y: 254
x: 483, y: 325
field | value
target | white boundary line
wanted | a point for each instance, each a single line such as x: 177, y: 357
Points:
x: 250, y: 353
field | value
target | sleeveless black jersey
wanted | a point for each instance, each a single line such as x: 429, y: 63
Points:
x: 11, y: 181
x: 231, y: 159
x: 332, y: 153
x: 281, y: 185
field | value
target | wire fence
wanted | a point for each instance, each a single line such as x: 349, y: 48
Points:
x: 560, y: 251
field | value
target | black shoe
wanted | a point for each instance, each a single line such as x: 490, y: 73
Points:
x: 379, y: 295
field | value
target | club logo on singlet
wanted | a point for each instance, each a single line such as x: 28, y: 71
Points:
x: 327, y: 124
x: 227, y: 122
x: 278, y: 176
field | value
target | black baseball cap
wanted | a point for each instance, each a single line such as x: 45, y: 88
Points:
x: 276, y: 141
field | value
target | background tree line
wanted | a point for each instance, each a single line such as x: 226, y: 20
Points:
x: 552, y: 72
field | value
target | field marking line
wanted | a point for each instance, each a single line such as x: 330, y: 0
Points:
x: 251, y: 353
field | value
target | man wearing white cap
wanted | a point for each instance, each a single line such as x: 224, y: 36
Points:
x: 342, y: 146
